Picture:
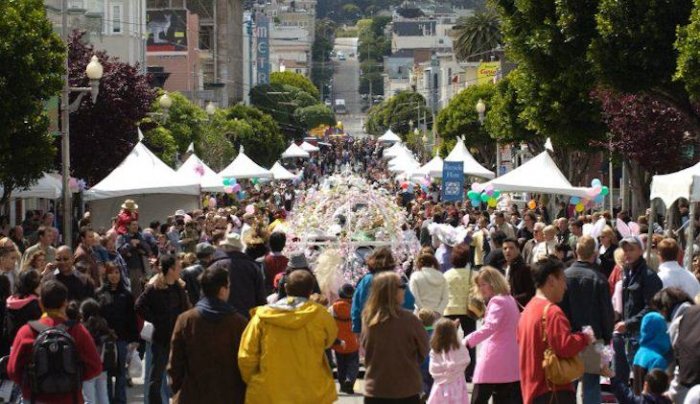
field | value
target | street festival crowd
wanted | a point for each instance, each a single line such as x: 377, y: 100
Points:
x: 269, y: 295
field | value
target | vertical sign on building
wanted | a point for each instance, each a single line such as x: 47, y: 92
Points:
x: 452, y: 181
x: 262, y: 49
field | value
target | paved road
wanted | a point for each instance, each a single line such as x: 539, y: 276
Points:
x: 346, y: 85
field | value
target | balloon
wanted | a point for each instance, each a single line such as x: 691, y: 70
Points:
x: 496, y: 193
x: 600, y: 198
x: 597, y: 189
x: 595, y: 183
x: 472, y: 194
x: 489, y: 188
x: 228, y: 189
x: 476, y: 187
x: 227, y: 182
x: 424, y: 188
x: 404, y: 185
x: 604, y: 191
x: 532, y: 204
x: 476, y: 202
x: 254, y: 181
x: 484, y: 198
x: 232, y: 181
x: 591, y: 192
x: 236, y: 187
x: 579, y: 207
x: 492, y: 203
x: 574, y: 200
x: 489, y: 192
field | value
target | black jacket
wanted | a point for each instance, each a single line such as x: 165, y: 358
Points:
x: 639, y: 284
x: 587, y: 300
x: 607, y: 260
x: 522, y: 287
x: 246, y: 281
x: 118, y: 310
x: 496, y: 259
x: 160, y: 304
x: 191, y: 277
x: 686, y: 347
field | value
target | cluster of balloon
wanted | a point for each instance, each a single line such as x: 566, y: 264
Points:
x: 532, y: 204
x: 595, y: 194
x: 231, y: 186
x: 483, y: 194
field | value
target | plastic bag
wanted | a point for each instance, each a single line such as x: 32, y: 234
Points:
x: 147, y: 331
x: 135, y: 365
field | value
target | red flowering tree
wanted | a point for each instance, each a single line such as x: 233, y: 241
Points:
x: 102, y: 134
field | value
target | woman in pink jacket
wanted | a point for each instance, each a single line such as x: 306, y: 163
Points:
x: 497, y: 373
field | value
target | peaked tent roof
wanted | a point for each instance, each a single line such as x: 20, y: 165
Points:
x: 281, y: 173
x: 294, y: 151
x: 243, y: 167
x: 541, y: 175
x: 142, y: 172
x: 471, y: 166
x: 434, y: 165
x: 49, y: 187
x: 309, y: 147
x: 195, y: 168
x: 669, y: 187
x: 394, y: 151
x: 389, y: 136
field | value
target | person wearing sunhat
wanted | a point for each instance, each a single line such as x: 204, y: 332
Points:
x: 245, y: 275
x: 297, y: 260
x: 128, y: 213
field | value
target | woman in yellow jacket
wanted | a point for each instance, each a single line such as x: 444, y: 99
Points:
x: 281, y: 356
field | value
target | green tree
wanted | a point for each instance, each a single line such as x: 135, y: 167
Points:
x: 503, y: 117
x: 477, y: 35
x: 396, y: 113
x: 31, y: 68
x: 295, y: 80
x: 161, y: 142
x: 688, y: 47
x: 214, y: 147
x: 257, y: 132
x: 184, y: 122
x: 314, y: 115
x: 459, y: 118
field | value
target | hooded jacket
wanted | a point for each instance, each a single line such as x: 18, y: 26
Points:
x: 279, y: 341
x: 429, y: 288
x: 639, y: 284
x: 20, y: 311
x: 654, y: 343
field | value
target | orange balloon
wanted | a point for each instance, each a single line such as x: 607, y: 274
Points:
x: 532, y: 204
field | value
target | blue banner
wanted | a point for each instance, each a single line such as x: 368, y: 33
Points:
x: 262, y: 59
x: 452, y: 181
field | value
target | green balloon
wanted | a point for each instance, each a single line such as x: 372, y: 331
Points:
x: 496, y: 194
x: 472, y: 194
x: 485, y: 197
x: 604, y: 191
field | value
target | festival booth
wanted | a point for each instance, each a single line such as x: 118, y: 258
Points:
x: 433, y: 166
x: 471, y: 166
x: 540, y: 175
x: 156, y: 188
x: 39, y: 196
x: 243, y: 167
x: 671, y: 187
x: 394, y: 151
x: 306, y: 146
x: 280, y: 173
x: 404, y: 163
x: 195, y: 169
x: 294, y: 151
x: 389, y: 137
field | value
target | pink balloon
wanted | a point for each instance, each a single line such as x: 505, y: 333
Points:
x: 489, y: 189
x: 592, y: 192
x: 228, y: 189
x: 236, y: 187
x: 476, y: 187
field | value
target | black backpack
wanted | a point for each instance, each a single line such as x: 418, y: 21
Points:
x: 54, y: 366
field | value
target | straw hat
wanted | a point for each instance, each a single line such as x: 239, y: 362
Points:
x: 129, y: 204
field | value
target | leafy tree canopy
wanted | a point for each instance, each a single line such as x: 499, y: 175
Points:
x: 295, y: 80
x: 396, y: 112
x: 314, y: 115
x: 31, y: 69
x: 256, y: 131
x: 184, y: 122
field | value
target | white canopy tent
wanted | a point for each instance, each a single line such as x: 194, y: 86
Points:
x: 294, y: 151
x: 208, y: 179
x: 394, y: 151
x: 389, y: 136
x: 540, y: 175
x: 671, y: 187
x: 143, y: 177
x: 471, y: 166
x: 243, y: 167
x: 309, y: 147
x: 281, y: 173
x: 434, y: 165
x: 47, y: 187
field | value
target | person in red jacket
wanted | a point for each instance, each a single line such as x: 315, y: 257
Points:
x: 54, y: 299
x: 347, y: 347
x: 548, y: 275
x: 128, y: 213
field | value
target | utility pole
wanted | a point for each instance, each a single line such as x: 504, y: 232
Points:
x: 65, y: 139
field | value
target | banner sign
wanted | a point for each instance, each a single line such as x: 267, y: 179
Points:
x: 452, y: 181
x: 487, y: 72
x: 262, y: 40
x: 167, y: 30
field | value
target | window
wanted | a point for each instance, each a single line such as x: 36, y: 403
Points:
x: 117, y: 18
x: 80, y: 4
x: 206, y: 37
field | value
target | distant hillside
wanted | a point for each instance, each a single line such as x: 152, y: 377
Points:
x: 343, y: 11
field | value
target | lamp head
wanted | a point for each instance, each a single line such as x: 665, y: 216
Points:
x: 165, y: 101
x: 210, y: 108
x: 94, y: 69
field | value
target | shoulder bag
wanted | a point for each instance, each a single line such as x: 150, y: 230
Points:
x: 558, y: 370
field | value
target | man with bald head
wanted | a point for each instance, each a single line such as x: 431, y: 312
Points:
x: 78, y: 285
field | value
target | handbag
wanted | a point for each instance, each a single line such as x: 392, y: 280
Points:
x: 558, y: 370
x: 475, y: 307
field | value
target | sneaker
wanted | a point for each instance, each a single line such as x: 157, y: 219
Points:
x: 347, y: 388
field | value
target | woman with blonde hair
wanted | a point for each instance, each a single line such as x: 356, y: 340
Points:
x: 35, y: 261
x: 608, y: 245
x: 496, y: 373
x: 395, y: 343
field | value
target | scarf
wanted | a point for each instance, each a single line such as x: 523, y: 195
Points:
x: 213, y: 309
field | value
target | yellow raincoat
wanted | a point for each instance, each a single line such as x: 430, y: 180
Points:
x: 282, y: 357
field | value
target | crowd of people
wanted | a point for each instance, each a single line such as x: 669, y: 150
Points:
x: 523, y: 306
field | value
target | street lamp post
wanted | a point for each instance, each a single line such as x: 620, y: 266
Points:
x: 93, y: 71
x: 481, y: 111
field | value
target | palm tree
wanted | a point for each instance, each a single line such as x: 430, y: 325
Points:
x: 477, y: 35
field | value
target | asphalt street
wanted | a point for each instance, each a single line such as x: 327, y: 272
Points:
x: 346, y: 83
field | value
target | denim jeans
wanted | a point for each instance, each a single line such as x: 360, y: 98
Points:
x: 95, y: 390
x: 149, y: 364
x: 348, y: 366
x: 116, y: 382
x: 625, y: 347
x: 590, y: 388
